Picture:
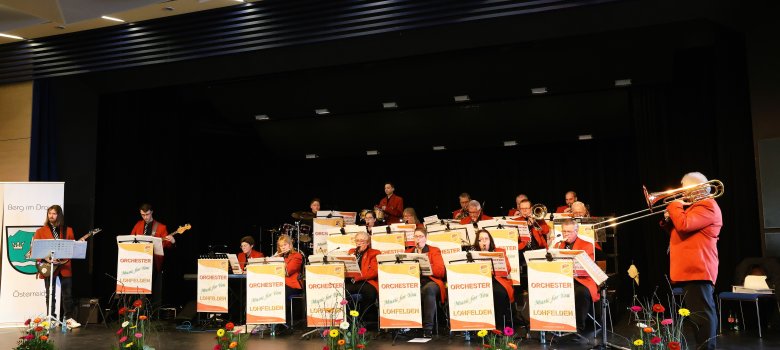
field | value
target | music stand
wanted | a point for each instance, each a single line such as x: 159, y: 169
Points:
x: 422, y: 262
x: 157, y: 251
x: 56, y: 249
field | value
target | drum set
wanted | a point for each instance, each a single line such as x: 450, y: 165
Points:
x: 301, y: 233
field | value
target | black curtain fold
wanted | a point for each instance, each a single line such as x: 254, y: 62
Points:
x: 43, y: 143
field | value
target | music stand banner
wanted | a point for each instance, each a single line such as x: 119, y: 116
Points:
x: 324, y: 293
x: 400, y: 304
x: 388, y: 243
x: 551, y: 295
x: 134, y: 268
x: 265, y: 299
x: 470, y: 295
x: 507, y: 239
x: 446, y: 241
x: 213, y: 285
x: 407, y: 229
x: 23, y: 211
x: 320, y: 234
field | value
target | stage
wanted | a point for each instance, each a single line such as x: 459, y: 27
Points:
x: 168, y: 337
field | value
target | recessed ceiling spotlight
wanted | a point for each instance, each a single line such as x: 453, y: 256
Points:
x: 461, y: 98
x: 539, y: 90
x: 322, y: 111
x: 623, y: 82
x: 60, y: 26
x: 372, y: 152
x: 11, y: 36
x: 389, y: 105
x: 168, y: 8
x: 510, y: 143
x: 311, y: 156
x: 585, y: 137
x: 439, y: 148
x: 112, y: 19
x: 262, y: 117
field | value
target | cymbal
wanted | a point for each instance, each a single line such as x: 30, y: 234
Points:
x: 303, y: 215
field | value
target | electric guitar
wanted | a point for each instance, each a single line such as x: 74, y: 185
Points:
x: 45, y: 268
x: 181, y: 230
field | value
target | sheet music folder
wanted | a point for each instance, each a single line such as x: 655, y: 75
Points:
x: 422, y: 259
x: 62, y: 248
x: 581, y: 258
x: 156, y: 241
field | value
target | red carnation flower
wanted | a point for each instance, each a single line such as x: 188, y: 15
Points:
x: 229, y: 326
x: 137, y: 303
x: 122, y: 310
x: 658, y: 308
x: 674, y: 345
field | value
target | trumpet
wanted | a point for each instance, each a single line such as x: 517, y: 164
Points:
x: 690, y: 194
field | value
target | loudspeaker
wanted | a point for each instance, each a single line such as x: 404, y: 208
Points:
x: 88, y: 310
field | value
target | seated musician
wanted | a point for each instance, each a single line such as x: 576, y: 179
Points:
x: 503, y: 292
x: 410, y: 217
x: 463, y: 212
x: 475, y: 214
x: 247, y: 251
x: 538, y: 229
x: 370, y: 220
x: 585, y: 289
x: 430, y: 286
x: 570, y: 198
x: 293, y: 262
x: 314, y: 205
x: 366, y: 285
x: 516, y: 210
x: 579, y: 210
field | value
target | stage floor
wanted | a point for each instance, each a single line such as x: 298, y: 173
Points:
x: 169, y: 338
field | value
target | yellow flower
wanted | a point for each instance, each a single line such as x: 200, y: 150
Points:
x: 220, y: 332
x: 342, y: 342
x: 482, y: 333
x: 233, y: 345
x: 684, y: 312
x: 129, y: 344
x: 512, y: 345
x: 45, y: 324
x: 334, y: 333
x: 354, y: 313
x: 638, y: 342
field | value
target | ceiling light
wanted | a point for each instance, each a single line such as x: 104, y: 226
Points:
x: 510, y: 143
x: 372, y: 152
x: 311, y: 156
x: 60, y: 27
x: 461, y: 98
x: 112, y: 19
x: 623, y: 82
x: 585, y: 137
x: 11, y: 36
x: 539, y: 90
x: 439, y: 148
x: 322, y: 111
x: 168, y: 8
x: 262, y: 117
x: 389, y: 105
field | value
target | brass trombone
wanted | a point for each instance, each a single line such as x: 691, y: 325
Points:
x: 690, y: 194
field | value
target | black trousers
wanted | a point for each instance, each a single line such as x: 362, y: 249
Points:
x: 289, y: 292
x: 582, y: 305
x: 66, y: 283
x: 429, y: 292
x: 703, y: 322
x: 501, y: 305
x: 368, y: 297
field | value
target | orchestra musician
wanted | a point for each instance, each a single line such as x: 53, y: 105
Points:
x: 463, y: 212
x: 475, y: 214
x: 503, y: 292
x: 430, y: 286
x: 293, y: 262
x: 247, y: 252
x: 585, y: 289
x: 392, y: 205
x: 366, y: 284
x: 538, y: 229
x: 410, y: 217
x: 579, y: 210
x: 370, y: 220
x: 570, y: 198
x: 314, y: 205
x: 516, y: 210
x: 54, y: 228
x: 148, y: 226
x: 693, y: 257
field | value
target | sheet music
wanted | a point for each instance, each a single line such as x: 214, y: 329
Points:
x: 583, y: 265
x: 499, y: 263
x: 235, y: 266
x: 422, y: 259
x: 157, y: 241
x: 349, y: 261
x: 266, y: 260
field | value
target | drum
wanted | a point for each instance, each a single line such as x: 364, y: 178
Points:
x: 287, y: 229
x: 305, y: 234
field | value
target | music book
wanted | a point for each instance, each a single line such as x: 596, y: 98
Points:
x: 422, y: 259
x: 235, y: 266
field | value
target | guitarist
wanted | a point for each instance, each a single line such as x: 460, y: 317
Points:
x: 55, y: 228
x: 148, y: 226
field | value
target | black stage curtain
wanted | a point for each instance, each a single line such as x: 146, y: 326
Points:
x: 43, y: 141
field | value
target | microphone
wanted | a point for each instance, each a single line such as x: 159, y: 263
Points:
x: 330, y: 215
x: 325, y: 257
x: 343, y: 231
x: 387, y: 228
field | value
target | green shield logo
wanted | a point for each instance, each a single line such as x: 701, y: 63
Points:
x: 17, y: 245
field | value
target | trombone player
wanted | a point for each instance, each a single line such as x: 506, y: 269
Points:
x: 694, y: 222
x: 537, y: 227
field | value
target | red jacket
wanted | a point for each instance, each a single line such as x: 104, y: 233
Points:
x: 514, y: 212
x: 561, y: 209
x: 504, y: 280
x: 242, y: 257
x: 369, y: 268
x: 457, y: 213
x: 437, y: 269
x: 693, y: 250
x: 394, y: 208
x: 585, y: 280
x: 539, y: 236
x: 161, y: 231
x: 65, y: 270
x: 293, y: 262
x: 467, y: 219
